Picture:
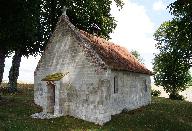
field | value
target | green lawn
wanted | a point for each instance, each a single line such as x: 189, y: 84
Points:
x: 163, y: 114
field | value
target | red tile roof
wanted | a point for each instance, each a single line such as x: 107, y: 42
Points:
x: 114, y: 56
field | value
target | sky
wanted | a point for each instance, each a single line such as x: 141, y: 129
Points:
x: 136, y: 24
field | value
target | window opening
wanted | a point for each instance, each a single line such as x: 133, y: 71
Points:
x: 145, y: 85
x: 115, y: 84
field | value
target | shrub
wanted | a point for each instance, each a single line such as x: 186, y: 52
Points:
x: 3, y: 90
x: 176, y: 97
x: 155, y: 93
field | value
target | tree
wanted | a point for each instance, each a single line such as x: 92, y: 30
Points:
x: 19, y: 33
x: 171, y: 73
x: 170, y: 67
x: 2, y: 63
x: 174, y: 41
x: 46, y: 13
x: 182, y: 12
x: 5, y: 38
x: 137, y: 55
x: 82, y: 13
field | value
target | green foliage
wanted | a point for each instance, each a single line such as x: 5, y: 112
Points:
x: 162, y: 114
x: 155, y: 92
x: 182, y: 10
x: 26, y: 25
x: 190, y: 82
x: 174, y: 41
x: 171, y: 68
x: 176, y: 97
x: 18, y: 22
x: 82, y: 13
x: 119, y: 3
x: 170, y: 73
x: 137, y: 56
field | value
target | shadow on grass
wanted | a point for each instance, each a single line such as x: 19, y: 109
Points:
x: 162, y: 114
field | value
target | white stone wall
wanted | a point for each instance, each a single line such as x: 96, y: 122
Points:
x: 81, y: 93
x: 134, y: 90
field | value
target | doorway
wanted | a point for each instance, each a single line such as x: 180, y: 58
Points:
x: 50, y: 97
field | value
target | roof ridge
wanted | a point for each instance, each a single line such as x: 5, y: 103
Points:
x: 120, y: 50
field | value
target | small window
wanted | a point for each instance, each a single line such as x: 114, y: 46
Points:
x: 115, y: 84
x: 145, y: 85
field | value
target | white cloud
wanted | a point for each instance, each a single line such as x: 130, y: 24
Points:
x: 134, y: 30
x: 159, y: 6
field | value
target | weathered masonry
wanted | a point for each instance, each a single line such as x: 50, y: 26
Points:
x: 102, y: 79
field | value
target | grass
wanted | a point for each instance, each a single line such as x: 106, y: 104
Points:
x: 163, y: 114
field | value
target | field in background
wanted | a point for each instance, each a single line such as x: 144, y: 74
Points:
x: 161, y: 114
x: 23, y: 88
x: 187, y: 93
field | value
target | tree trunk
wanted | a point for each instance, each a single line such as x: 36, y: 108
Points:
x: 2, y: 64
x: 53, y: 14
x: 14, y: 72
